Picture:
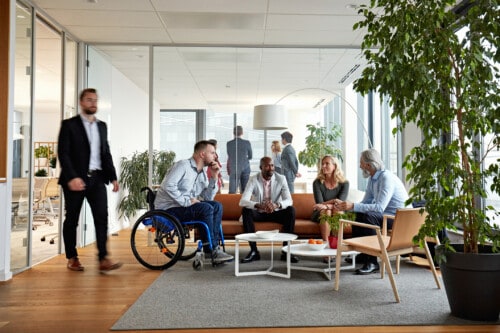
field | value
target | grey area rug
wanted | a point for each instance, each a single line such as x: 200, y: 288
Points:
x: 182, y: 298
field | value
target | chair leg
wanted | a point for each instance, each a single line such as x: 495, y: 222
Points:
x: 398, y: 261
x: 382, y: 269
x: 431, y: 264
x: 338, y: 262
x: 385, y: 259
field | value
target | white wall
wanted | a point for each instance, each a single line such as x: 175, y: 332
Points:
x: 128, y: 131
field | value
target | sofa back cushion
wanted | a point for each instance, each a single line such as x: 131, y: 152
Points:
x: 230, y: 204
x: 303, y: 203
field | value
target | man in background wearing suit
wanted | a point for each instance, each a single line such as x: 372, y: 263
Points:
x: 289, y: 162
x: 86, y: 167
x: 239, y: 154
x: 266, y: 198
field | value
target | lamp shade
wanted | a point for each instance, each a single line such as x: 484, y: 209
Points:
x: 270, y: 117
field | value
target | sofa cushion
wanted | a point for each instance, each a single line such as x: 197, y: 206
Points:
x: 231, y: 206
x: 303, y: 203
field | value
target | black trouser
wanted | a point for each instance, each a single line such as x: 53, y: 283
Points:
x: 97, y: 197
x: 286, y: 217
x: 373, y: 218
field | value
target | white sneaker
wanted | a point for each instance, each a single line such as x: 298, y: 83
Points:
x: 220, y: 256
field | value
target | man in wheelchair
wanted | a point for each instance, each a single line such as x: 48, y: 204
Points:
x: 187, y: 193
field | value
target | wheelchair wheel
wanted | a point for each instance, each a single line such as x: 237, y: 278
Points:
x: 157, y: 240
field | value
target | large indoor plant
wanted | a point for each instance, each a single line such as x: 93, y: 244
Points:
x: 134, y: 176
x: 321, y: 141
x: 439, y: 66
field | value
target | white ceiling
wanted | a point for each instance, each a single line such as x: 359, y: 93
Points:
x: 271, y: 48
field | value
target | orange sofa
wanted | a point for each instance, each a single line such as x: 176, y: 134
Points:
x: 303, y: 203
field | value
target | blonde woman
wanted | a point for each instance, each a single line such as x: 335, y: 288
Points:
x: 276, y: 155
x: 330, y: 184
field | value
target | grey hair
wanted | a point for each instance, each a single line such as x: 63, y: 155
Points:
x: 372, y: 157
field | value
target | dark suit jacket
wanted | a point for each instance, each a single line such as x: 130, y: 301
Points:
x: 289, y: 162
x: 239, y: 153
x: 73, y: 151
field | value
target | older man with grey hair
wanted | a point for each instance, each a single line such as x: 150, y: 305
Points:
x: 385, y: 193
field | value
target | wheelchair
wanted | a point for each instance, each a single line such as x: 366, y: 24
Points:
x: 158, y: 239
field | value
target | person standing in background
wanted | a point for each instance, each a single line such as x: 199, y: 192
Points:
x: 289, y: 161
x: 276, y: 155
x: 239, y: 154
x: 86, y: 168
x: 220, y: 182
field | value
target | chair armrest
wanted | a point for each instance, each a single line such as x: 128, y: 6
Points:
x: 358, y: 224
x: 384, y: 223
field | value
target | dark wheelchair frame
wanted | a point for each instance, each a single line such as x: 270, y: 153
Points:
x: 158, y: 238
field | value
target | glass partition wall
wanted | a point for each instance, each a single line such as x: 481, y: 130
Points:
x: 44, y: 85
x: 21, y: 170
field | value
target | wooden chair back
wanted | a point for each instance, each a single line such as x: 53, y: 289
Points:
x: 407, y: 223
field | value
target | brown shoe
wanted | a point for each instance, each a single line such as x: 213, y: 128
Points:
x: 74, y: 264
x: 106, y: 265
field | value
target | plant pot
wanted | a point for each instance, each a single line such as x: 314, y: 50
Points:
x: 332, y: 241
x: 42, y: 161
x: 471, y: 282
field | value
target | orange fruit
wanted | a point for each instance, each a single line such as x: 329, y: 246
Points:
x: 319, y: 241
x: 311, y: 241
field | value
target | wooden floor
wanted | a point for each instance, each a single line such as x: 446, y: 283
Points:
x: 50, y: 299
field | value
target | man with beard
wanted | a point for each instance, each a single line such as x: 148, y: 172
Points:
x: 187, y: 193
x: 86, y: 168
x: 385, y: 193
x: 267, y: 198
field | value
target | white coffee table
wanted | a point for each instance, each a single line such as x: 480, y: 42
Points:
x: 303, y: 250
x: 252, y: 237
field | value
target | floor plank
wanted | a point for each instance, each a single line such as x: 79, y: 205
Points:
x: 50, y: 299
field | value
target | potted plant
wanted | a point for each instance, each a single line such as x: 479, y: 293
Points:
x: 333, y: 221
x: 447, y: 83
x: 320, y: 142
x: 53, y: 162
x: 42, y: 153
x: 41, y: 173
x: 134, y: 176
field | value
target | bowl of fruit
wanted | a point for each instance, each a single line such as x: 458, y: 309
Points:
x: 315, y: 244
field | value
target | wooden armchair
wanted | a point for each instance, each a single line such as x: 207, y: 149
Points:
x: 407, y: 222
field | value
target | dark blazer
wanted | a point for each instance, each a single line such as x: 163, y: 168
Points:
x: 73, y: 151
x: 239, y: 153
x: 289, y: 162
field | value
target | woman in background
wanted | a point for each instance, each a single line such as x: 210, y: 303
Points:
x: 220, y: 182
x: 330, y: 184
x: 276, y: 156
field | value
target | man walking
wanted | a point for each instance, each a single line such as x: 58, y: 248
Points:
x: 86, y: 168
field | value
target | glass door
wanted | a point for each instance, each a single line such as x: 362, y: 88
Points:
x: 45, y: 128
x: 21, y: 171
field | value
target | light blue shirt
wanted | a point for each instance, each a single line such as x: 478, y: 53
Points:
x: 385, y: 193
x: 182, y: 183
